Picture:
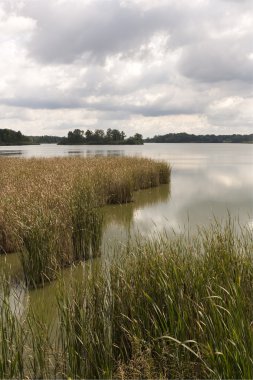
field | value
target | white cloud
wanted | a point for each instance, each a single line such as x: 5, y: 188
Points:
x: 153, y: 67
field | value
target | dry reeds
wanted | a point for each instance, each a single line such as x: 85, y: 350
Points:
x: 50, y: 208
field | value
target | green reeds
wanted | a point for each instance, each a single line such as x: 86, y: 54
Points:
x: 176, y: 309
x: 42, y: 356
x: 163, y: 308
x: 86, y: 340
x: 39, y: 250
x: 28, y: 346
x: 12, y: 336
x: 87, y: 222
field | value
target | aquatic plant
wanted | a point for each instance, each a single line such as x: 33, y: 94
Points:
x: 168, y: 309
x: 12, y: 337
x: 49, y: 208
x: 39, y: 249
x: 87, y: 222
x: 163, y: 308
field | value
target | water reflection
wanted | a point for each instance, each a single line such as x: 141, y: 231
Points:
x: 96, y: 152
x: 197, y: 197
x: 11, y: 152
x: 10, y: 266
x: 120, y: 220
x: 75, y: 152
x: 124, y: 214
x: 105, y: 153
x: 17, y: 297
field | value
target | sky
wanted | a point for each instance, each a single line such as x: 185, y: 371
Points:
x: 146, y: 66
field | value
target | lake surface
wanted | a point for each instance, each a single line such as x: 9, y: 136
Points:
x: 207, y: 181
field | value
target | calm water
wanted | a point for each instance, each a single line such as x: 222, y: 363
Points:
x: 208, y: 180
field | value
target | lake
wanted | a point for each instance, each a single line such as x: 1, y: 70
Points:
x: 208, y: 181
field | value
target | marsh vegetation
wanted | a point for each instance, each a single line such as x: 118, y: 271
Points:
x: 50, y: 209
x: 163, y: 308
x: 157, y: 307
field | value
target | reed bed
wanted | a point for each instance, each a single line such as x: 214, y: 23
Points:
x: 166, y: 308
x: 50, y: 209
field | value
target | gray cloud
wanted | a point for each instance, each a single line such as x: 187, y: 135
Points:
x: 215, y: 60
x: 41, y: 103
x: 70, y: 30
x: 125, y: 60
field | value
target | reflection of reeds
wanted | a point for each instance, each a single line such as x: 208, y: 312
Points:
x: 178, y: 308
x: 50, y: 208
x: 145, y: 198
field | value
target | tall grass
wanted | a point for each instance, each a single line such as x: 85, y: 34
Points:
x: 12, y: 337
x: 50, y: 208
x: 28, y: 346
x: 86, y: 340
x: 171, y: 309
x: 40, y: 250
x: 164, y: 308
x: 87, y: 222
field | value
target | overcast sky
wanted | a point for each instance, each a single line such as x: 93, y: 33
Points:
x: 147, y: 66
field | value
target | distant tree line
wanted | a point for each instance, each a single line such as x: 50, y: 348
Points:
x: 100, y: 137
x: 114, y: 136
x: 10, y: 137
x: 45, y: 139
x: 190, y: 138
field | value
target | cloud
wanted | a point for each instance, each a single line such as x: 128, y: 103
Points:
x: 70, y: 30
x: 219, y: 60
x: 158, y: 66
x: 15, y: 26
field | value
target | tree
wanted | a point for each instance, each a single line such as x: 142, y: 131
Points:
x: 10, y: 137
x: 112, y: 136
x: 109, y: 134
x: 116, y: 135
x: 123, y: 136
x: 88, y: 135
x: 76, y: 137
x: 138, y: 138
x: 100, y: 134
